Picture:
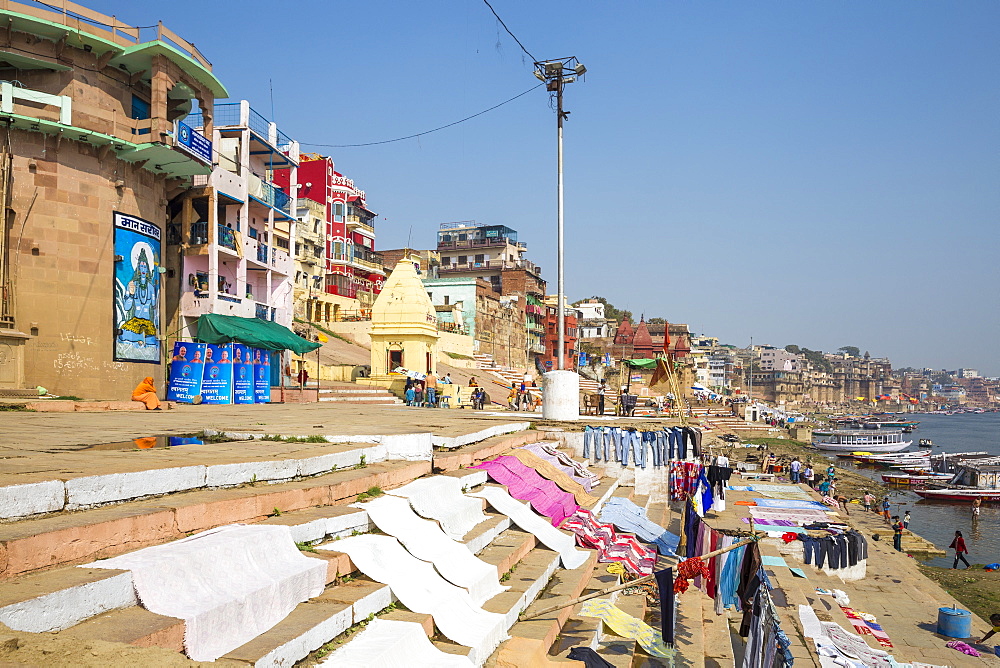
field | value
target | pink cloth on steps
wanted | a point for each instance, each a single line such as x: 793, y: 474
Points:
x: 524, y: 483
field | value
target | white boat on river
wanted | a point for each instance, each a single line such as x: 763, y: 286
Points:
x: 868, y: 440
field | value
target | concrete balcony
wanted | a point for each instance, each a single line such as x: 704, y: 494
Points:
x: 491, y: 265
x: 360, y: 224
x: 197, y: 303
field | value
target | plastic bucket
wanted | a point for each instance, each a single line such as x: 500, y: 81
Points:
x: 954, y: 622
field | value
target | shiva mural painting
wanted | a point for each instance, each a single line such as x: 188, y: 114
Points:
x: 137, y: 290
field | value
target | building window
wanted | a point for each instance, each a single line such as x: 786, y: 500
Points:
x: 395, y: 359
x: 446, y: 300
x: 140, y: 112
x: 462, y: 259
x: 338, y: 211
x: 480, y: 259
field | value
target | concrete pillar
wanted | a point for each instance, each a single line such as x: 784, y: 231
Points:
x: 561, y: 395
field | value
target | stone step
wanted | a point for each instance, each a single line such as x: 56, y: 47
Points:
x: 73, y: 538
x: 132, y: 626
x: 616, y: 650
x: 352, y: 391
x: 61, y: 598
x: 564, y: 585
x: 689, y: 636
x: 350, y: 399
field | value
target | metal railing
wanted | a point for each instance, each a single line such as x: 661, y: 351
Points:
x: 262, y: 312
x: 262, y: 253
x: 83, y: 19
x: 199, y: 234
x: 260, y: 125
x: 492, y: 264
x: 227, y: 236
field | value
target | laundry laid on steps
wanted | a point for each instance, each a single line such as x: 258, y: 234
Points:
x: 524, y: 483
x: 553, y: 473
x: 420, y: 588
x: 425, y: 540
x: 228, y: 584
x: 527, y: 520
x: 610, y: 545
x: 389, y: 643
x: 565, y: 463
x: 440, y: 498
x: 657, y: 447
x: 627, y: 516
x: 627, y: 626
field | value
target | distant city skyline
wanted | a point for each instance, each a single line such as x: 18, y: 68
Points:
x: 822, y: 174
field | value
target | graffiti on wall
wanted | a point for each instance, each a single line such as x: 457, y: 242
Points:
x: 137, y: 290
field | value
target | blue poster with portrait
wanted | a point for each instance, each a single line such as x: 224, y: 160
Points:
x: 136, y: 290
x: 262, y: 376
x: 243, y: 377
x: 217, y: 380
x: 186, y: 369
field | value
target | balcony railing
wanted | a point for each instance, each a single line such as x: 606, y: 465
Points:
x: 479, y: 243
x: 262, y: 253
x: 263, y: 312
x: 492, y: 265
x: 227, y: 237
x: 271, y: 195
x: 353, y: 219
x: 79, y: 18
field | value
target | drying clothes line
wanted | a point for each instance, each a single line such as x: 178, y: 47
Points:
x: 524, y: 483
x: 528, y: 521
x: 649, y: 578
x: 421, y: 589
x: 440, y: 498
x: 425, y: 540
x: 550, y: 471
x: 387, y: 642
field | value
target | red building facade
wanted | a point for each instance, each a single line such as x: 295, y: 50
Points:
x: 352, y: 265
x: 552, y: 338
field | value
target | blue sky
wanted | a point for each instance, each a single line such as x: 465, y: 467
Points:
x: 823, y: 174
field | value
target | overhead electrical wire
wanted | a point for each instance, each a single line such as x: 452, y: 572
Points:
x: 533, y: 59
x: 426, y: 132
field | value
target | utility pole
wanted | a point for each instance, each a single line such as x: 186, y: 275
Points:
x: 556, y: 74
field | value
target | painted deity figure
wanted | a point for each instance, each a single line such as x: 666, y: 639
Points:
x: 140, y: 305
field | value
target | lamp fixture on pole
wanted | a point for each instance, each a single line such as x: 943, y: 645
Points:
x: 556, y: 74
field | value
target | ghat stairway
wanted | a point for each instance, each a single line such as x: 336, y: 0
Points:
x: 42, y: 589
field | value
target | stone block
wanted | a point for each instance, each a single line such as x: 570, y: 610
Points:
x: 59, y: 600
x: 228, y: 475
x: 409, y: 447
x: 32, y: 498
x: 96, y: 490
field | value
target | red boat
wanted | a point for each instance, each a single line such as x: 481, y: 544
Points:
x: 957, y: 495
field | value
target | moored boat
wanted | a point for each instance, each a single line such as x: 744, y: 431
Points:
x: 870, y: 440
x: 907, y: 479
x: 960, y: 495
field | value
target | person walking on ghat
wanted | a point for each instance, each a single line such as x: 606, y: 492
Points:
x: 960, y: 550
x: 906, y: 520
x: 601, y: 392
x: 869, y: 500
x: 885, y: 508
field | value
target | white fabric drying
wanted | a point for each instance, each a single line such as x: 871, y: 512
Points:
x: 440, y: 498
x: 425, y: 540
x: 229, y: 584
x: 419, y: 587
x: 386, y: 643
x: 541, y: 528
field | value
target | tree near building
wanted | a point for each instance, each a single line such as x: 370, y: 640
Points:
x: 853, y: 351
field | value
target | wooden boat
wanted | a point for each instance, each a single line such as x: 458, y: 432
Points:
x: 907, y: 479
x: 960, y: 494
x: 898, y: 458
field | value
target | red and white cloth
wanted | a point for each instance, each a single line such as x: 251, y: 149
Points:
x: 610, y: 545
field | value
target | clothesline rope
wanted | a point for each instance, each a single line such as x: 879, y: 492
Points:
x: 638, y: 581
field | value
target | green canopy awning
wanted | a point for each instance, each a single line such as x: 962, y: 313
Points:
x: 215, y: 328
x: 635, y: 364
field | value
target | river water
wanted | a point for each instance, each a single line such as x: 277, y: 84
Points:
x: 937, y: 521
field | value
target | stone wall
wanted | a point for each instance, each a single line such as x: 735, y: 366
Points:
x: 64, y: 199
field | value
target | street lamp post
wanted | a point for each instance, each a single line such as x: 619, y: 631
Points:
x: 556, y: 74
